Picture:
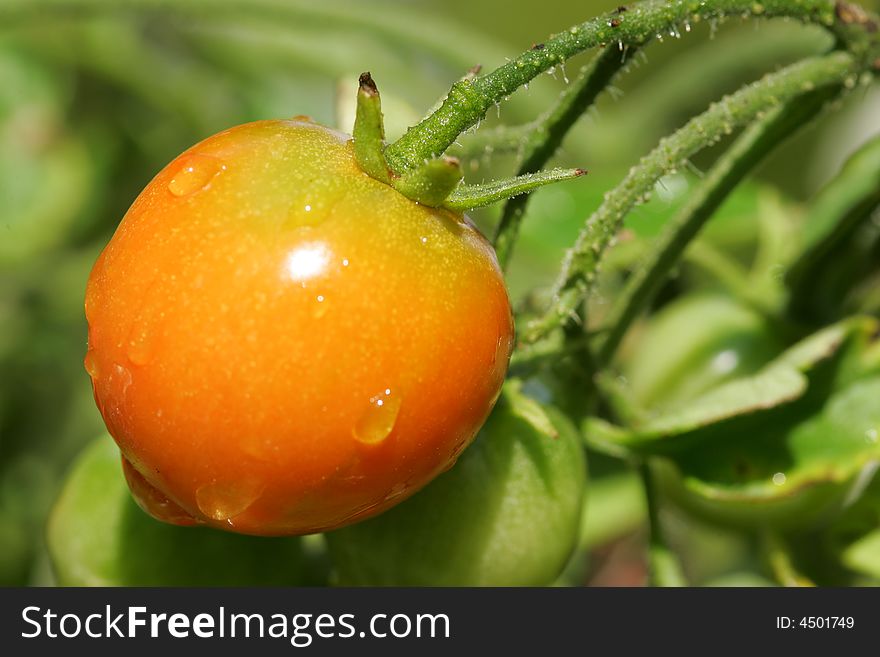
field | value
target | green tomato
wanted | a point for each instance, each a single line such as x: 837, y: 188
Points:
x: 98, y: 536
x: 507, y: 514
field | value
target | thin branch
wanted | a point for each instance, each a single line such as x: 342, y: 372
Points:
x: 663, y: 564
x: 741, y: 108
x: 748, y: 150
x: 469, y: 100
x: 546, y: 135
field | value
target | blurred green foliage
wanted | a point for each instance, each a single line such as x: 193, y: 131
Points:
x: 93, y: 103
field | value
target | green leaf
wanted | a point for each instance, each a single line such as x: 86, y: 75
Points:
x: 783, y: 381
x: 694, y: 344
x: 863, y: 555
x: 772, y: 387
x: 98, y: 536
x: 786, y: 468
x: 853, y: 540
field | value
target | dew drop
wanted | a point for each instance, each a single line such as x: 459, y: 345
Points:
x: 152, y: 500
x: 871, y: 436
x: 91, y: 364
x: 779, y: 478
x: 320, y: 307
x: 225, y: 500
x: 88, y: 306
x: 304, y: 118
x: 423, y: 240
x: 725, y: 361
x: 195, y: 175
x: 377, y: 421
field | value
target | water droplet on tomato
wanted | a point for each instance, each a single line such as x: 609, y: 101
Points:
x: 303, y: 118
x: 195, y: 175
x: 501, y: 357
x: 320, y: 306
x: 91, y: 364
x: 225, y: 500
x: 88, y: 306
x: 377, y: 421
x: 152, y: 500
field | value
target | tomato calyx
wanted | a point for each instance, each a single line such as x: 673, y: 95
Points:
x: 437, y: 182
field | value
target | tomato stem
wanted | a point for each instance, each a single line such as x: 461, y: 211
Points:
x: 663, y: 564
x: 579, y: 269
x: 545, y: 135
x: 748, y: 150
x: 469, y: 100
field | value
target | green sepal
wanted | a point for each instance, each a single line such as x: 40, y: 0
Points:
x: 466, y: 197
x: 432, y: 183
x: 369, y: 130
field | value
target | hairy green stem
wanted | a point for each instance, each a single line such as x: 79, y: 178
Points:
x: 663, y: 564
x: 748, y: 150
x: 469, y: 100
x: 546, y: 135
x: 580, y: 266
x: 466, y: 197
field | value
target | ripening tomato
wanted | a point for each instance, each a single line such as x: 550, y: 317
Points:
x: 281, y: 344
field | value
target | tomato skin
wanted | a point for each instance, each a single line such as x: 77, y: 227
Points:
x: 280, y: 344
